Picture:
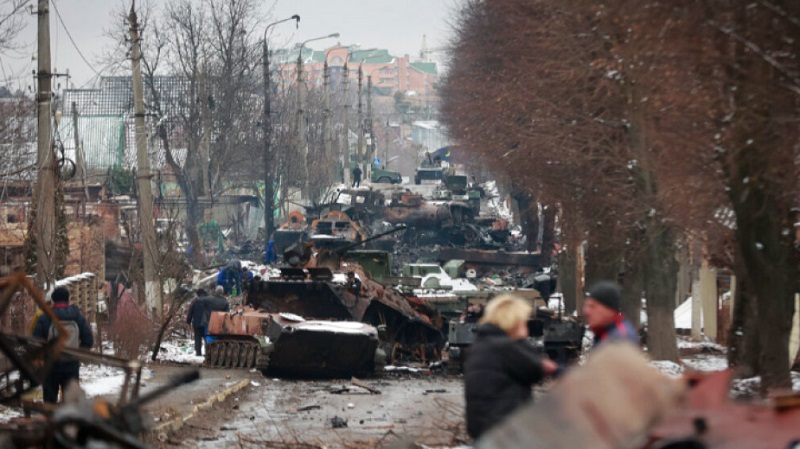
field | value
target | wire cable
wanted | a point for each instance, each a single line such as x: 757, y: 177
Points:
x: 69, y: 35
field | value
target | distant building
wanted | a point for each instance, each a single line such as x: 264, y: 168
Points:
x: 390, y: 74
x: 430, y: 135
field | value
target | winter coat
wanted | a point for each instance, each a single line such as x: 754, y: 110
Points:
x: 216, y: 303
x: 498, y: 375
x: 198, y: 313
x: 620, y: 329
x: 66, y: 312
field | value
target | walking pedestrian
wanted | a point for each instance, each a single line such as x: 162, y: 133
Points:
x: 217, y: 302
x: 357, y: 176
x: 501, y: 367
x: 65, y: 369
x: 197, y: 317
x: 602, y: 310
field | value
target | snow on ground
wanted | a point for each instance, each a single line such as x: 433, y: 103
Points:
x: 179, y: 351
x: 705, y: 345
x: 100, y: 380
x: 706, y: 363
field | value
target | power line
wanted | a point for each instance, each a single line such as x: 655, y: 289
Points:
x: 63, y: 25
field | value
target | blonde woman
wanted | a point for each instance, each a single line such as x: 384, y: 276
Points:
x: 501, y: 367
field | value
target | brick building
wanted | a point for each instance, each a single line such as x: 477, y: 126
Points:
x: 390, y: 74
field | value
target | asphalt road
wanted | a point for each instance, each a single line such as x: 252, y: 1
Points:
x: 301, y: 414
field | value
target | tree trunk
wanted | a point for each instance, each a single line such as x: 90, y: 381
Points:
x: 632, y: 288
x: 548, y: 234
x: 660, y: 282
x: 567, y: 279
x: 603, y: 258
x: 744, y: 334
x: 194, y: 214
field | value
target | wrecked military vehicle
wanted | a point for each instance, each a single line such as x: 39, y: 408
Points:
x: 288, y: 345
x: 558, y: 337
x: 317, y: 293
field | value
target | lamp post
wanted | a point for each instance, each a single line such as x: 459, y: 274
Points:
x: 346, y: 83
x: 268, y: 191
x: 302, y: 146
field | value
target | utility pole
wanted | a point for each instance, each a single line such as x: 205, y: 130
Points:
x: 302, y: 146
x: 346, y: 127
x: 150, y: 249
x: 45, y: 188
x: 360, y: 149
x: 326, y: 134
x: 368, y: 126
x: 269, y: 193
x: 301, y: 121
x: 80, y: 162
x: 205, y: 139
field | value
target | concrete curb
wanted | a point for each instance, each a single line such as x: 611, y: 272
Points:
x: 163, y: 430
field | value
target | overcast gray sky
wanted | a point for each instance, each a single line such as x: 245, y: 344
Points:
x: 397, y: 25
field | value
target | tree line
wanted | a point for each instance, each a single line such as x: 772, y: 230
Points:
x: 653, y: 127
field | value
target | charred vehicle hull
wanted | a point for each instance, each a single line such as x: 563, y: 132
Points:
x: 407, y: 333
x: 288, y: 345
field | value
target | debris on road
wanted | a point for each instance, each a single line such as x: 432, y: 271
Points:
x: 338, y: 423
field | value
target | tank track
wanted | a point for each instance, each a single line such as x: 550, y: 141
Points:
x: 236, y: 354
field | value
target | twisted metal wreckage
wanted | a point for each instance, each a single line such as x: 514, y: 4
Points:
x: 78, y: 422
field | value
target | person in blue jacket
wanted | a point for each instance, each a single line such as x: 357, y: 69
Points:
x: 602, y: 310
x: 65, y: 369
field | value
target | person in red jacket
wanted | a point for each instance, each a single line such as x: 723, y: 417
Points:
x: 501, y: 367
x: 602, y: 310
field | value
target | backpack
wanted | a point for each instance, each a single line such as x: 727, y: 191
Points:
x: 73, y: 337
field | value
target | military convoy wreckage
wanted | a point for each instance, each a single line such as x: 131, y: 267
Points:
x: 384, y: 322
x: 348, y: 332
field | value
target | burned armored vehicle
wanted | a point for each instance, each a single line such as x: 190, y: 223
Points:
x: 317, y: 293
x: 557, y: 337
x: 285, y: 344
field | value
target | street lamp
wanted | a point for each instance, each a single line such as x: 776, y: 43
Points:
x: 268, y: 193
x: 301, y: 132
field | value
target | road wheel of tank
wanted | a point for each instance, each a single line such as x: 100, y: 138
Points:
x: 244, y: 356
x: 250, y: 356
x: 240, y: 355
x: 228, y: 355
x: 212, y: 353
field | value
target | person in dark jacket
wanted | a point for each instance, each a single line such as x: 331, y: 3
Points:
x: 501, y: 367
x: 217, y: 302
x: 233, y: 274
x: 602, y: 311
x: 63, y: 371
x: 357, y: 176
x: 197, y: 317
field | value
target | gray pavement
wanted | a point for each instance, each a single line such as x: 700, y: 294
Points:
x: 425, y: 410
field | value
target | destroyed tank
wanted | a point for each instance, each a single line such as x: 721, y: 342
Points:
x: 288, y: 345
x: 317, y: 293
x: 559, y: 338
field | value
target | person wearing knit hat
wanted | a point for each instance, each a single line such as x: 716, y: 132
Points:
x: 602, y: 310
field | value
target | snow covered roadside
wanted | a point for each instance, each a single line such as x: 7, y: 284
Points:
x: 179, y: 351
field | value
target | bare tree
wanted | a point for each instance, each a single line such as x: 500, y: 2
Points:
x: 11, y: 22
